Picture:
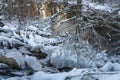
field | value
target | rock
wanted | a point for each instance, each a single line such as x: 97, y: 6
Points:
x: 49, y: 8
x: 65, y: 69
x: 1, y: 24
x: 9, y: 61
x: 38, y: 53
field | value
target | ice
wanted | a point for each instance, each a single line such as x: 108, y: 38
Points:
x: 33, y: 63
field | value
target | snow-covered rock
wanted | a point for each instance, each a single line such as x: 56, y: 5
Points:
x: 109, y: 66
x: 17, y: 56
x: 2, y: 66
x: 33, y: 63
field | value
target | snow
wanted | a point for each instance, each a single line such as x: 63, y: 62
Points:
x: 110, y: 77
x: 23, y: 50
x: 75, y: 74
x: 104, y: 7
x: 2, y: 52
x: 44, y: 76
x: 18, y: 78
x: 59, y: 76
x: 101, y: 66
x: 118, y: 12
x: 109, y: 66
x: 60, y: 60
x: 12, y: 25
x: 33, y: 63
x: 2, y: 66
x: 6, y: 40
x: 72, y: 2
x: 15, y: 54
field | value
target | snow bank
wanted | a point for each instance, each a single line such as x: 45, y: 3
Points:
x: 110, y: 77
x: 109, y: 66
x: 75, y: 74
x: 58, y: 76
